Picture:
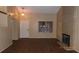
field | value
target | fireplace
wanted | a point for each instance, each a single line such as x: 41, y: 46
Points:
x: 66, y: 39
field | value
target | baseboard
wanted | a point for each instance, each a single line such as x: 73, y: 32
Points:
x: 6, y: 47
x: 64, y: 46
x: 76, y: 50
x: 38, y: 38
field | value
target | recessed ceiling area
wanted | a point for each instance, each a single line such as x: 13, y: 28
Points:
x: 41, y: 9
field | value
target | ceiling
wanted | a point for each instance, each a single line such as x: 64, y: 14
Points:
x: 40, y: 9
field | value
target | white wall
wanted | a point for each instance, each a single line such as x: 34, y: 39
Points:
x: 68, y: 22
x: 14, y: 28
x: 59, y: 24
x: 33, y: 25
x: 3, y: 23
x: 14, y: 23
x: 9, y: 28
x: 3, y: 8
x: 5, y: 40
x: 76, y: 30
x: 34, y: 33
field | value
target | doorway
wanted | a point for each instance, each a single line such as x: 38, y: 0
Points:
x: 24, y: 29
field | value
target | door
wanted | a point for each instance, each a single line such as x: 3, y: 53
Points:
x: 24, y: 29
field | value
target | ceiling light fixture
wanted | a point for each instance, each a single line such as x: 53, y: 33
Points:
x: 22, y: 14
x: 11, y: 14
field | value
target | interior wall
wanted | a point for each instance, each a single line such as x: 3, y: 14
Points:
x: 14, y: 23
x: 5, y: 40
x: 14, y: 28
x: 76, y: 30
x: 68, y: 21
x: 59, y: 24
x: 9, y: 28
x: 33, y: 25
x: 3, y: 8
x: 34, y: 33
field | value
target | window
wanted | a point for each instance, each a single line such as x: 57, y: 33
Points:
x: 45, y: 26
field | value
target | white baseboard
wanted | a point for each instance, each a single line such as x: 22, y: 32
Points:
x: 64, y: 46
x: 76, y: 50
x: 6, y: 47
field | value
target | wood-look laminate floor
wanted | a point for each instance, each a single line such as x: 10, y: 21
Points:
x: 35, y: 46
